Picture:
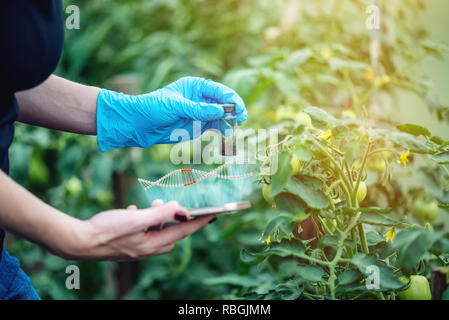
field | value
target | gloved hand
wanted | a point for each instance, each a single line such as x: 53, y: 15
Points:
x: 144, y: 120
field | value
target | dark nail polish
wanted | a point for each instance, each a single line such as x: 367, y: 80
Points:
x: 180, y: 216
x: 212, y: 220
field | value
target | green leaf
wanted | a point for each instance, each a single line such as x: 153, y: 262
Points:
x: 308, y: 189
x: 437, y: 140
x: 311, y: 273
x: 242, y: 81
x: 237, y: 280
x: 441, y: 158
x: 353, y: 150
x: 296, y: 58
x: 412, y: 244
x: 409, y: 141
x: 441, y: 246
x: 320, y: 118
x: 414, y: 129
x: 283, y: 249
x: 374, y: 209
x: 435, y: 48
x: 366, y: 264
x: 291, y: 289
x: 251, y: 257
x: 282, y: 174
x: 283, y: 222
x: 287, y: 248
x: 378, y: 219
x: 333, y: 241
x: 298, y: 130
x: 373, y: 238
x: 339, y: 64
x: 289, y: 203
x: 348, y: 277
x: 287, y: 84
x: 303, y: 152
x: 340, y: 132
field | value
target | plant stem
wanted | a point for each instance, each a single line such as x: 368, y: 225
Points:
x: 354, y: 239
x: 363, y: 239
x: 345, y: 183
x: 445, y: 169
x: 359, y: 176
x: 383, y: 149
x: 337, y: 258
x: 354, y: 197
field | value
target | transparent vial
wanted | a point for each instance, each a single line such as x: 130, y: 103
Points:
x: 228, y: 145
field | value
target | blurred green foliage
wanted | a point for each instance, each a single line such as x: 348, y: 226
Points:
x: 278, y: 54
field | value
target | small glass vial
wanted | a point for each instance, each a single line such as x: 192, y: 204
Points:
x: 228, y: 147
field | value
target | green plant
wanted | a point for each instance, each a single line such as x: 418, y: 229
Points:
x: 335, y: 154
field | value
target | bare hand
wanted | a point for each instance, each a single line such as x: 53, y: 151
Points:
x: 120, y: 235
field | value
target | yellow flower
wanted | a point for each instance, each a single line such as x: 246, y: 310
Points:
x: 369, y: 73
x: 381, y: 80
x: 325, y: 135
x: 377, y: 81
x: 385, y: 79
x: 348, y: 114
x: 268, y: 239
x: 326, y: 53
x: 404, y: 156
x: 390, y: 235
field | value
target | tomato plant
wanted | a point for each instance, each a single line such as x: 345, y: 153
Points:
x: 350, y: 239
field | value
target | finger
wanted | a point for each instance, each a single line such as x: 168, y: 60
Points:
x: 164, y: 250
x: 132, y: 207
x: 157, y: 203
x: 201, y: 111
x: 223, y: 94
x: 241, y: 117
x: 179, y: 231
x: 168, y: 212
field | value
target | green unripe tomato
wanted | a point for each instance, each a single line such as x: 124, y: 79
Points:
x: 266, y: 193
x: 379, y: 165
x: 331, y: 224
x: 419, y: 289
x: 425, y: 210
x: 74, y: 186
x: 361, y: 192
x: 296, y: 164
x: 303, y: 118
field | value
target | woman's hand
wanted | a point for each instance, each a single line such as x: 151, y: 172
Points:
x: 148, y: 119
x: 120, y: 235
x: 110, y: 235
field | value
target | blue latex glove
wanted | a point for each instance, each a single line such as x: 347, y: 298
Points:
x: 144, y: 120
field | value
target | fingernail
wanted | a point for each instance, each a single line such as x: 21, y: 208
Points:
x: 181, y: 216
x: 212, y: 220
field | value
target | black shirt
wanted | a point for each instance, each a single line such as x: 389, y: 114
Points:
x: 32, y: 37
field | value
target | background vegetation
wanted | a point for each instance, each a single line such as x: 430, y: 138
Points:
x: 281, y: 56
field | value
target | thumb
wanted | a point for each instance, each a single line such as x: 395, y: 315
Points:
x: 171, y: 211
x: 201, y: 111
